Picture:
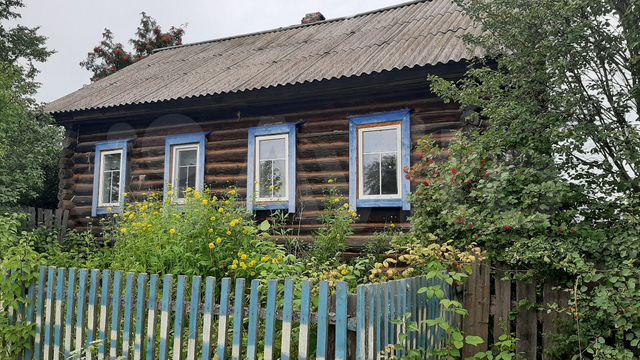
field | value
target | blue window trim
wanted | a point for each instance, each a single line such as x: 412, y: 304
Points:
x: 291, y: 190
x: 402, y: 116
x: 108, y: 146
x: 195, y: 138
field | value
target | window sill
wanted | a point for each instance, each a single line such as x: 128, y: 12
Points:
x: 104, y: 211
x: 280, y: 205
x: 370, y: 203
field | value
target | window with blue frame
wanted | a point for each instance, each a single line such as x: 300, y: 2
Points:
x: 271, y: 168
x: 379, y: 150
x: 109, y: 177
x: 184, y: 164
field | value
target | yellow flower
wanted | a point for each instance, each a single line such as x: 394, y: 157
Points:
x: 232, y: 192
x: 170, y: 193
x: 227, y: 202
x: 331, y: 181
x: 253, y: 273
x: 274, y: 261
x: 234, y: 223
x: 345, y: 272
x: 197, y: 195
x: 172, y: 231
x: 221, y: 210
x: 213, y: 218
x: 109, y: 209
x: 235, y: 262
x: 345, y: 206
x: 132, y: 216
x: 189, y: 189
x: 252, y: 263
x: 243, y: 266
x: 205, y: 202
x: 124, y: 230
x: 125, y: 194
x: 212, y: 246
x: 228, y: 232
x: 392, y: 226
x: 234, y: 266
x: 214, y: 199
x: 210, y: 231
x: 390, y: 272
x: 219, y: 240
x: 265, y: 259
x: 244, y: 257
x: 115, y: 215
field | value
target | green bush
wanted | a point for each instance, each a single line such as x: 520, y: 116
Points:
x: 206, y: 235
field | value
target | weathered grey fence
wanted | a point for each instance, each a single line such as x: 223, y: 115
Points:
x: 48, y: 218
x: 137, y: 316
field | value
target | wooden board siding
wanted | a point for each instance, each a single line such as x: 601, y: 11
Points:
x: 322, y: 153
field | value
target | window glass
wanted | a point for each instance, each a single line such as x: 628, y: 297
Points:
x: 272, y: 167
x: 110, y: 182
x: 185, y: 169
x: 379, y: 161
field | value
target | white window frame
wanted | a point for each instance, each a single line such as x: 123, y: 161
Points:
x: 101, y: 202
x: 258, y: 139
x: 361, y: 131
x: 174, y: 167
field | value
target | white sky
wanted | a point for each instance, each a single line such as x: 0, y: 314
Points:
x: 74, y: 27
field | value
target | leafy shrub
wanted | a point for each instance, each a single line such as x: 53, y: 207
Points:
x: 331, y: 239
x: 206, y: 235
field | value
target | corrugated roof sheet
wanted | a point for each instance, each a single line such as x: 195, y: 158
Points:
x: 412, y: 34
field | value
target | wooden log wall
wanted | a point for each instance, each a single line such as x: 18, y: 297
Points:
x: 323, y: 153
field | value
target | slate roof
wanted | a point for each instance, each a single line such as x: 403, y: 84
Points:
x: 418, y: 33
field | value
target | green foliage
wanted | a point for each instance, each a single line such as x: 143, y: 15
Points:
x: 503, y: 349
x: 109, y: 57
x: 331, y: 239
x: 204, y: 236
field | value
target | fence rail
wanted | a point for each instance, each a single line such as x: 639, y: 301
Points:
x: 139, y: 316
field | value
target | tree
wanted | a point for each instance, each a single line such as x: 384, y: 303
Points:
x: 109, y: 57
x: 545, y: 173
x: 29, y: 140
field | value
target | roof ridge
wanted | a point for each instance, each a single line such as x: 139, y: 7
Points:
x: 296, y: 26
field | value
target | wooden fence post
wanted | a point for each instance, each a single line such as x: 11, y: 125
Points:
x: 477, y: 301
x: 527, y: 323
x: 502, y: 303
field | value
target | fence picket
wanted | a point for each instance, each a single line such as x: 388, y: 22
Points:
x: 167, y: 287
x: 378, y: 322
x: 305, y: 307
x: 91, y: 313
x: 287, y: 319
x: 223, y: 318
x: 371, y: 307
x: 140, y: 317
x: 104, y: 308
x: 128, y: 311
x: 115, y: 314
x: 152, y: 316
x: 68, y: 327
x: 361, y: 328
x: 237, y: 319
x: 82, y: 291
x: 254, y: 309
x: 323, y: 321
x: 207, y: 317
x: 270, y: 321
x: 29, y: 316
x: 342, y: 292
x: 178, y: 324
x: 192, y: 344
x: 59, y: 305
x: 37, y: 341
x: 49, y: 314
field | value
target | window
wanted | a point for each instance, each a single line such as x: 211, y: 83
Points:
x: 271, y: 168
x: 185, y: 169
x: 378, y: 158
x: 109, y: 177
x: 184, y: 164
x: 379, y: 151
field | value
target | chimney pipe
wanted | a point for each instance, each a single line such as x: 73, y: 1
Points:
x: 312, y: 18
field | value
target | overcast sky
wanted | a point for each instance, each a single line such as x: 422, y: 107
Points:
x: 74, y: 27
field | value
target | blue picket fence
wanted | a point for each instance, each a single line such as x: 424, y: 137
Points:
x: 94, y: 314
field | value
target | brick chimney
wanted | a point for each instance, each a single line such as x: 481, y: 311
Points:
x: 312, y: 18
